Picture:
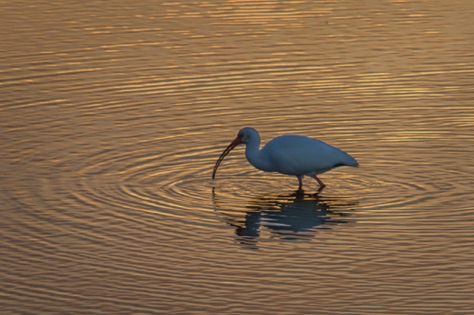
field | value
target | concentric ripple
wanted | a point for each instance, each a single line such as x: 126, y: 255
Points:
x: 139, y: 178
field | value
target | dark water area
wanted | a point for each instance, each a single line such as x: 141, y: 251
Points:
x: 114, y: 113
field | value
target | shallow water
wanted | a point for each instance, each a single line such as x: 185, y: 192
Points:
x: 113, y: 115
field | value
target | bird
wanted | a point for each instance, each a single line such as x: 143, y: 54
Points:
x: 290, y: 155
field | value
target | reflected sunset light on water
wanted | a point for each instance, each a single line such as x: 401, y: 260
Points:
x: 114, y: 114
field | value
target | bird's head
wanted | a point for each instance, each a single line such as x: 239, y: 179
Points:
x: 245, y: 135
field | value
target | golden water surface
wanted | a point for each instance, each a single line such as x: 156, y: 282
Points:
x: 113, y: 113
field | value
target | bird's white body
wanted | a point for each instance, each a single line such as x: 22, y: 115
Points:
x: 297, y: 155
x: 290, y: 154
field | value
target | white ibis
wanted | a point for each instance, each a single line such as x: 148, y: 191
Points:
x: 291, y: 155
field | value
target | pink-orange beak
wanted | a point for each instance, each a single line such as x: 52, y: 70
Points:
x: 232, y: 145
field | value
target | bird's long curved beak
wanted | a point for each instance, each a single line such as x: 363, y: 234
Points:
x: 229, y: 148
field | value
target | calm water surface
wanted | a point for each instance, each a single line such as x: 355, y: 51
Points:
x: 114, y: 113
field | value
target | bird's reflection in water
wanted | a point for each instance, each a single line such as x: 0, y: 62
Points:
x: 295, y: 216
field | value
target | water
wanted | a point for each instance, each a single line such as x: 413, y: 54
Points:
x: 113, y: 115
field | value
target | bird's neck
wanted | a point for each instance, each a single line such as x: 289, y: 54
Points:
x: 255, y: 157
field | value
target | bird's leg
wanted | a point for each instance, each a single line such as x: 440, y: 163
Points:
x: 320, y: 182
x: 300, y: 182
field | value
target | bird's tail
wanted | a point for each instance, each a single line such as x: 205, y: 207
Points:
x: 350, y: 161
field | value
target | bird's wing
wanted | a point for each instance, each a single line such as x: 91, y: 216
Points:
x: 298, y: 155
